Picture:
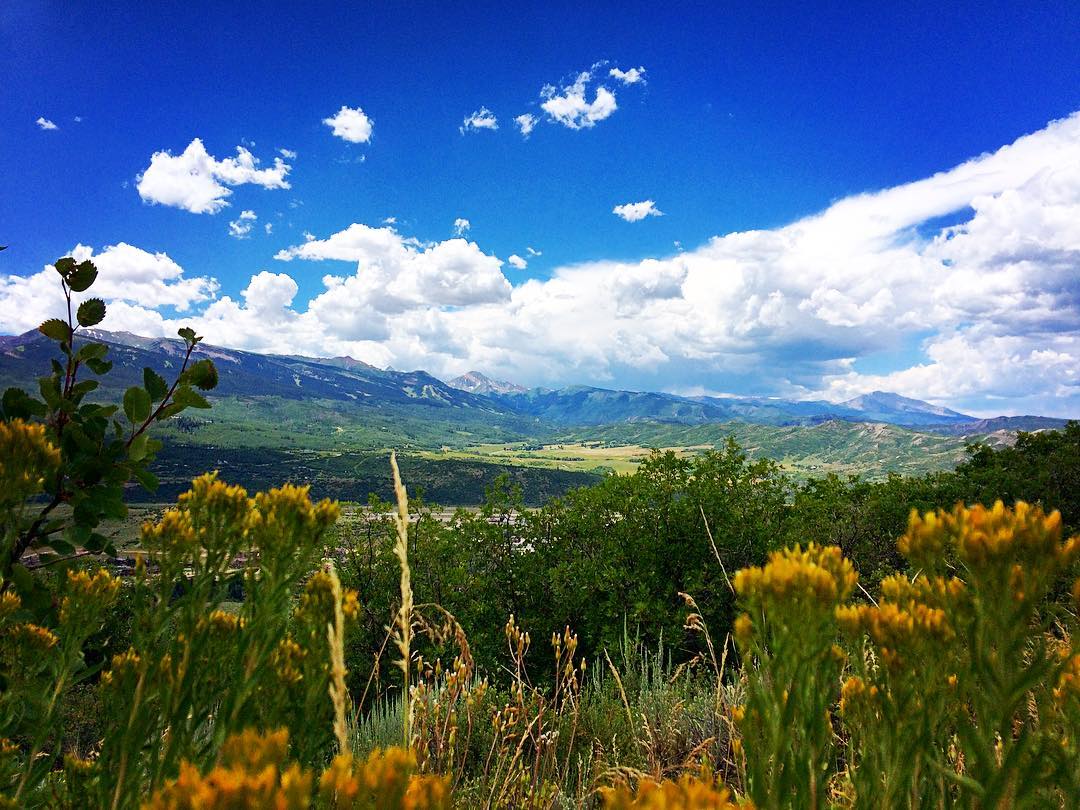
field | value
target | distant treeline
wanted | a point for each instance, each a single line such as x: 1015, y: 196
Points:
x: 351, y: 476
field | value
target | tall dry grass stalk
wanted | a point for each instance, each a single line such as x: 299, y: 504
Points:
x: 336, y: 635
x: 403, y: 636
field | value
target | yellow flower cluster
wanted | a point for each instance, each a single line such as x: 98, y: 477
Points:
x: 251, y: 774
x: 221, y: 623
x: 1068, y: 685
x: 317, y: 599
x: 32, y: 637
x: 27, y: 458
x: 9, y: 604
x: 350, y: 604
x: 220, y: 517
x: 818, y: 574
x: 855, y: 693
x: 938, y: 592
x: 688, y: 793
x: 124, y: 665
x: 982, y: 536
x: 173, y: 533
x: 87, y: 595
x: 283, y: 512
x: 383, y: 781
x: 793, y: 581
x: 228, y: 503
x: 891, y: 625
x: 288, y: 661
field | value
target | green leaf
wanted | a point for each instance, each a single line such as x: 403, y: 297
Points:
x: 187, y: 398
x: 146, y: 478
x: 55, y: 329
x: 155, y: 384
x: 82, y: 276
x: 18, y: 404
x: 91, y: 312
x: 50, y: 391
x: 203, y: 374
x: 91, y: 351
x: 65, y: 266
x: 169, y: 411
x: 61, y: 546
x: 99, y: 366
x: 188, y: 334
x: 136, y: 404
x: 137, y: 449
x: 83, y: 388
x: 96, y: 542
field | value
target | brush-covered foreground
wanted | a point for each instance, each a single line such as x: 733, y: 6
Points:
x: 958, y: 686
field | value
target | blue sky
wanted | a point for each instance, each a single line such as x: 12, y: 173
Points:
x: 746, y: 119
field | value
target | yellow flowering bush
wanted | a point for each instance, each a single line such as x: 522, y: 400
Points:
x: 197, y: 671
x: 958, y: 690
x: 253, y: 771
x: 27, y: 459
x: 962, y: 686
x: 37, y: 665
x: 687, y: 793
x: 786, y: 636
x: 383, y: 781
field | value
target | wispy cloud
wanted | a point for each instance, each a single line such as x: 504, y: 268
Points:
x: 45, y: 123
x: 240, y: 228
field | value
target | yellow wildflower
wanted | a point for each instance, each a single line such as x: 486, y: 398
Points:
x: 27, y: 460
x: 817, y: 574
x: 688, y: 793
x: 87, y: 595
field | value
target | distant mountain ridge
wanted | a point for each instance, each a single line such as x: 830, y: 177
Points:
x: 477, y: 383
x: 249, y: 374
x: 882, y: 402
x: 24, y: 357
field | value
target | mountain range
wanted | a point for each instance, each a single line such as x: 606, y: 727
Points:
x: 346, y: 380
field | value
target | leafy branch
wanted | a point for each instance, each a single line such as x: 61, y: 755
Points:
x: 102, y: 446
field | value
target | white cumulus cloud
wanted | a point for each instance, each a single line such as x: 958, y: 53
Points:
x: 134, y: 282
x: 526, y: 123
x: 45, y: 123
x: 481, y: 119
x: 631, y: 76
x: 571, y: 107
x: 633, y: 212
x: 197, y: 182
x: 517, y: 262
x: 351, y: 124
x: 461, y: 225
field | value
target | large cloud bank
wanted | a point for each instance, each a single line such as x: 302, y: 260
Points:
x: 983, y: 313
